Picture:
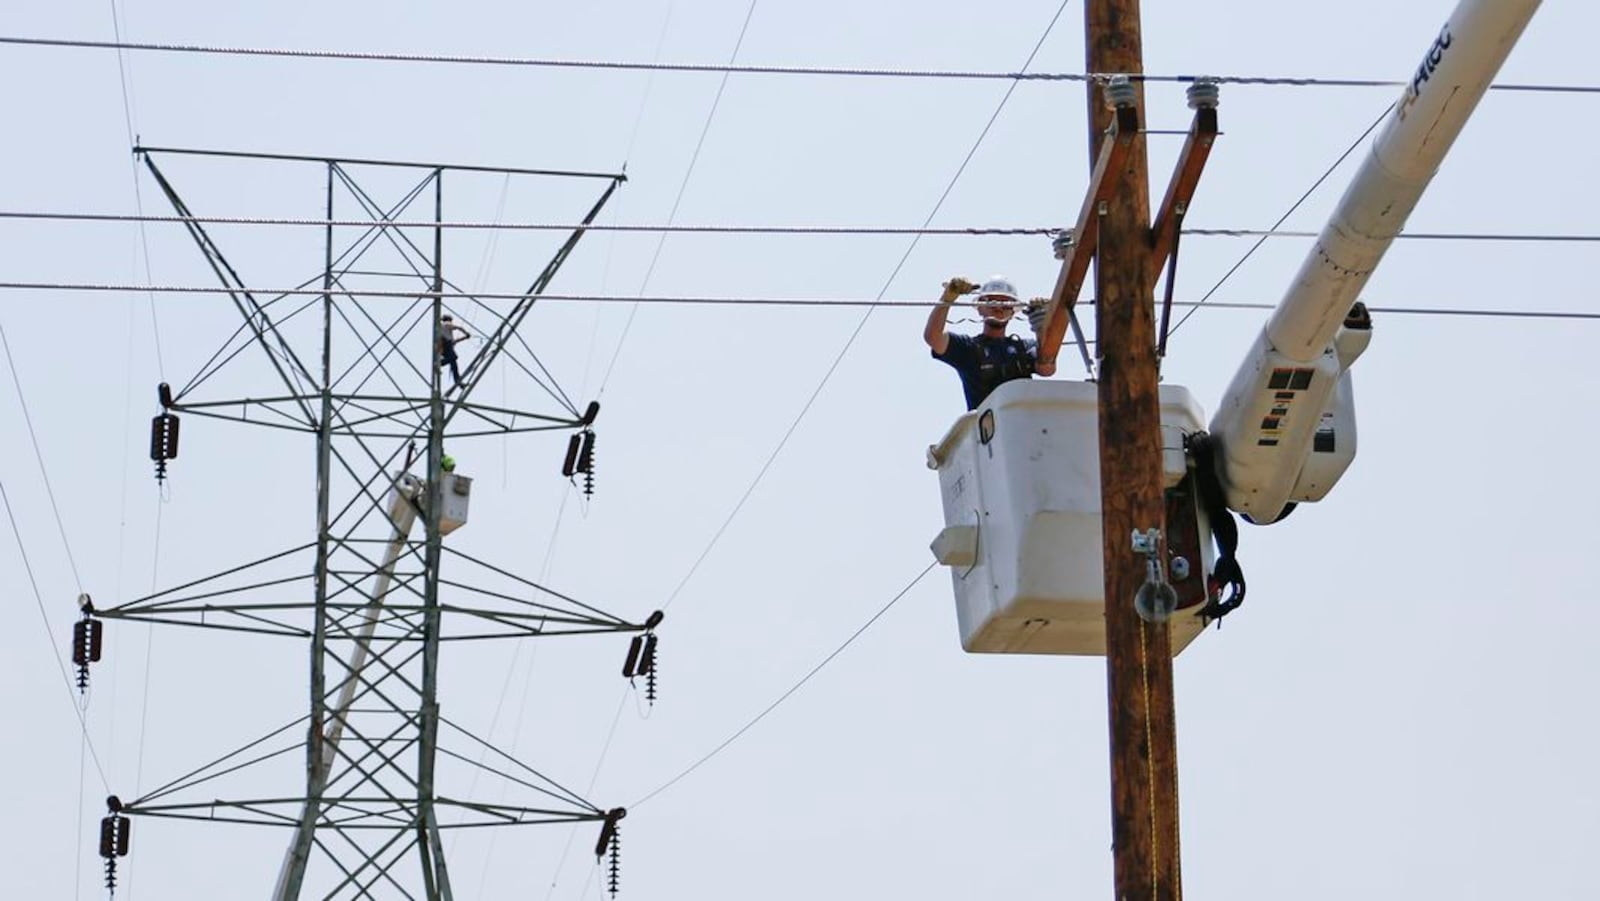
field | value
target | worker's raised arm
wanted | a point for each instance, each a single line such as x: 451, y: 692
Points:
x: 933, y: 333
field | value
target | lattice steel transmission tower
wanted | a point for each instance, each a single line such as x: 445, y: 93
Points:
x: 360, y: 370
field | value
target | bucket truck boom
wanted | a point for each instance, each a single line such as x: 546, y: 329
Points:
x: 1019, y: 476
x: 1286, y: 426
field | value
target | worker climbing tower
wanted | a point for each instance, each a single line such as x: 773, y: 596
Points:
x: 356, y: 351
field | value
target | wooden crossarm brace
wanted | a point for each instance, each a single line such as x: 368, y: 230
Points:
x: 1108, y: 172
x: 1185, y: 178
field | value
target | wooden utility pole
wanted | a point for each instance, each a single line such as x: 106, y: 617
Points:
x: 1144, y: 758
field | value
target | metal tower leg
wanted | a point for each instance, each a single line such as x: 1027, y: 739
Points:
x: 292, y: 875
x: 435, y: 874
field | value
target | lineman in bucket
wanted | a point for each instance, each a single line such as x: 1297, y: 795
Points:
x: 988, y: 359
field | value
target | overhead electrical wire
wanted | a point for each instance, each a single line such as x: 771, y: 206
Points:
x: 965, y: 231
x: 627, y: 326
x: 138, y: 194
x: 38, y: 454
x: 677, y: 200
x: 732, y: 69
x: 844, y: 302
x: 1427, y: 311
x: 50, y: 638
x: 430, y: 225
x: 121, y: 46
x: 738, y: 733
x: 549, y: 552
x: 1506, y: 237
x: 1354, y: 145
x: 627, y: 155
x: 861, y: 324
x: 161, y: 371
x: 594, y: 777
x: 61, y: 529
x: 827, y: 375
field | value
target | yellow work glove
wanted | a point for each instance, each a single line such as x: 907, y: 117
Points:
x: 956, y: 287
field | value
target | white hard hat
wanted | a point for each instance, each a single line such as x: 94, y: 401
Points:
x: 998, y: 286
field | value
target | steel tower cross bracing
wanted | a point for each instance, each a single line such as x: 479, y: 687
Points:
x: 368, y: 822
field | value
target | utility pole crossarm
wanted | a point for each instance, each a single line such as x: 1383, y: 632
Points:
x: 1185, y: 179
x: 1103, y: 184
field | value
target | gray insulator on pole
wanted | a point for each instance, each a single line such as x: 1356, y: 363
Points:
x: 1120, y: 92
x: 1204, y: 93
x: 1062, y: 243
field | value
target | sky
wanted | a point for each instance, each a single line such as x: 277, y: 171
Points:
x: 1403, y: 708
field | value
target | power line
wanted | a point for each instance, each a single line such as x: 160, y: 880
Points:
x: 33, y: 436
x: 138, y: 194
x: 549, y: 556
x: 747, y: 69
x: 44, y: 618
x: 627, y: 154
x: 1505, y: 237
x: 850, y: 341
x: 683, y: 187
x: 792, y: 689
x: 1285, y: 217
x: 44, y: 474
x: 455, y: 295
x: 670, y: 227
x: 594, y: 777
x: 430, y: 225
x: 161, y: 370
x: 688, y: 300
x: 1431, y: 311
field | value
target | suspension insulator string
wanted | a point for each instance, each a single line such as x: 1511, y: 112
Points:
x: 86, y: 641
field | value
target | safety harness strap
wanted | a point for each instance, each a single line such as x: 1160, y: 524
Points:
x: 1225, y: 589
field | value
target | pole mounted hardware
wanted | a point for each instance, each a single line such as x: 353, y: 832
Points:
x: 114, y: 833
x: 1156, y: 599
x: 1203, y: 94
x: 1076, y: 248
x: 86, y: 641
x: 610, y: 843
x: 164, y: 433
x: 580, y: 451
x: 641, y: 660
x: 1121, y: 92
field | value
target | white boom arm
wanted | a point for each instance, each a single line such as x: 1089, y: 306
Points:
x: 1293, y: 381
x: 403, y: 514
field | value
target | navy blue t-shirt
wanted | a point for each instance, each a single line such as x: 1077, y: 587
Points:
x: 985, y: 363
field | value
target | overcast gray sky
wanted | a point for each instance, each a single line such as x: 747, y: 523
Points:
x: 1404, y: 708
